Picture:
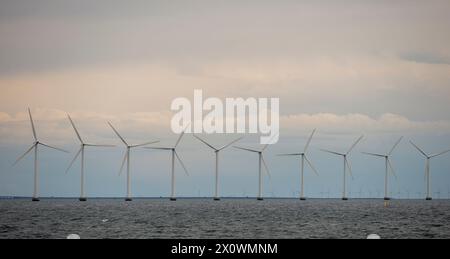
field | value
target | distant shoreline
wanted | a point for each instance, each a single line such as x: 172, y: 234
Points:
x: 193, y: 198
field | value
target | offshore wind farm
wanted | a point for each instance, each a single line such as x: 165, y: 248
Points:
x: 207, y: 211
x: 262, y: 162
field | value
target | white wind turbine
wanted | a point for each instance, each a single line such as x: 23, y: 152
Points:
x: 81, y: 152
x: 217, y: 151
x: 346, y: 165
x: 35, y: 147
x: 304, y: 159
x: 126, y: 159
x: 262, y: 162
x: 389, y: 167
x: 174, y: 154
x: 427, y: 168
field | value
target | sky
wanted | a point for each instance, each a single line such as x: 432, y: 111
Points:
x: 345, y: 68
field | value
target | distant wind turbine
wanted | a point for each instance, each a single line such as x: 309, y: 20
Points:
x: 217, y: 151
x: 262, y: 162
x: 427, y: 168
x: 346, y: 165
x: 81, y: 152
x: 35, y: 147
x: 126, y: 159
x: 303, y: 159
x: 389, y: 167
x: 174, y: 152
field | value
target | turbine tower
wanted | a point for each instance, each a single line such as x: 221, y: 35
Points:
x: 126, y: 159
x: 303, y: 159
x: 262, y: 162
x: 427, y: 167
x: 174, y: 154
x: 389, y: 167
x: 81, y: 152
x: 217, y: 151
x: 346, y: 165
x: 35, y: 148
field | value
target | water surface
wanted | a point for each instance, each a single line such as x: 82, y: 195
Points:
x: 229, y: 218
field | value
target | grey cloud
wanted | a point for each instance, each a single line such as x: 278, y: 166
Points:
x: 82, y: 9
x: 427, y: 58
x: 53, y: 34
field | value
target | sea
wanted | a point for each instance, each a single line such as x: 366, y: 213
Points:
x: 225, y: 219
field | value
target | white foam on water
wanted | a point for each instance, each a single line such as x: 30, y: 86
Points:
x: 373, y: 236
x: 73, y: 236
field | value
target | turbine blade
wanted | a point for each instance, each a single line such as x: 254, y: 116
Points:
x: 309, y: 140
x: 246, y: 149
x: 181, y: 136
x: 266, y: 167
x: 266, y: 146
x: 24, y: 155
x: 354, y: 145
x: 373, y: 154
x: 32, y: 125
x: 159, y: 148
x: 146, y: 144
x: 289, y: 154
x: 440, y: 154
x: 181, y: 163
x: 73, y: 160
x: 332, y: 152
x: 75, y: 129
x: 418, y: 148
x: 55, y: 148
x: 231, y: 143
x: 392, y: 168
x: 96, y: 145
x: 311, y: 165
x: 395, y: 146
x: 204, y: 142
x: 349, y: 167
x: 125, y: 158
x: 117, y: 133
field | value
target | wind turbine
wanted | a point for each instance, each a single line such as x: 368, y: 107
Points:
x: 303, y: 159
x: 81, y: 152
x: 126, y: 159
x: 174, y: 152
x: 217, y: 151
x: 35, y: 147
x: 346, y: 165
x: 427, y: 168
x: 388, y: 165
x: 262, y: 162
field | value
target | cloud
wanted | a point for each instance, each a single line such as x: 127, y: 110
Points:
x: 370, y: 85
x: 427, y: 58
x: 51, y: 35
x: 4, y: 117
x: 52, y: 125
x: 359, y: 123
